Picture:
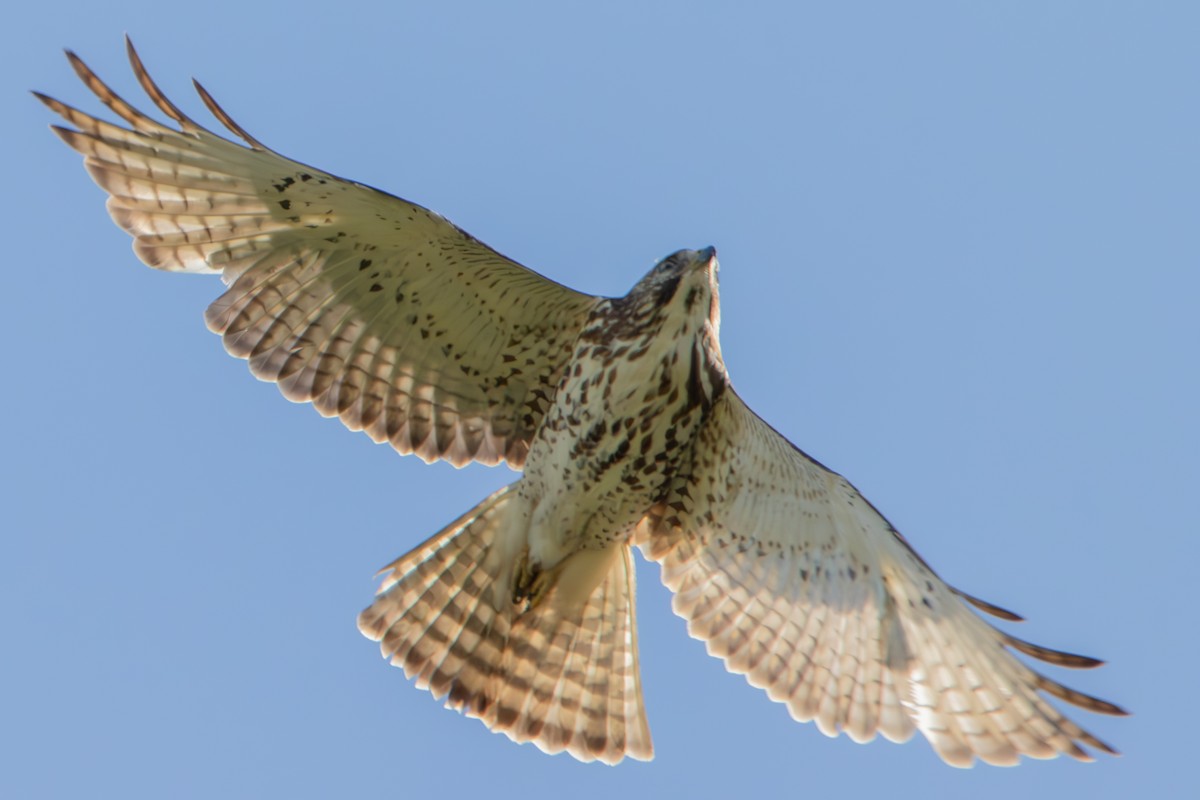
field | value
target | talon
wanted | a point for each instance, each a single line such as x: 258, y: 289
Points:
x: 531, y: 583
x: 524, y: 576
x: 543, y: 581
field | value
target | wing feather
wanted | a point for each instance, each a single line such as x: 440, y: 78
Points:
x: 795, y: 580
x: 373, y: 309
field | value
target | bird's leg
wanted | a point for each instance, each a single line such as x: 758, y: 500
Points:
x: 531, y: 583
x: 524, y: 575
x: 543, y: 582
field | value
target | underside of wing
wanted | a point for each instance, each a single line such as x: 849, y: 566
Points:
x: 374, y: 309
x: 796, y: 581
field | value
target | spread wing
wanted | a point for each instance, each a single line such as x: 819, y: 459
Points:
x: 796, y: 581
x: 375, y: 310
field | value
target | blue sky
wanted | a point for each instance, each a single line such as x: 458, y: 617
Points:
x: 959, y: 265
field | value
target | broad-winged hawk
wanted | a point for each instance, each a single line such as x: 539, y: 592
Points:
x: 622, y: 416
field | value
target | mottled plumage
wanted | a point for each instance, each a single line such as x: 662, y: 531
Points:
x: 620, y: 412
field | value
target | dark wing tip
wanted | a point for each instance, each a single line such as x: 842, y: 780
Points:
x: 156, y: 94
x: 990, y: 608
x: 115, y: 102
x: 1099, y: 744
x: 226, y: 120
x: 77, y: 63
x: 1051, y: 656
x: 1077, y: 698
x: 66, y: 134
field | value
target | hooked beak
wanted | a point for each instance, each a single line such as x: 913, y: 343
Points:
x: 706, y: 259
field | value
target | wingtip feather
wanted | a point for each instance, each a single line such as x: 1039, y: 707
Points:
x: 224, y: 118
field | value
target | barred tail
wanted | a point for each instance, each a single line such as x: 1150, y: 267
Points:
x: 564, y: 677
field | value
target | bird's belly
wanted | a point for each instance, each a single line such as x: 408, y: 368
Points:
x: 604, y: 454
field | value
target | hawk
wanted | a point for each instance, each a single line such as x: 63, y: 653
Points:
x: 620, y: 413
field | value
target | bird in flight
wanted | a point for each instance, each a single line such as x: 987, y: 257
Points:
x: 620, y: 414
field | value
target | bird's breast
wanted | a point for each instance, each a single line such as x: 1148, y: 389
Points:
x: 623, y: 419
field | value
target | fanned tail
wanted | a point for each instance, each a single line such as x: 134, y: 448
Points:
x: 564, y: 677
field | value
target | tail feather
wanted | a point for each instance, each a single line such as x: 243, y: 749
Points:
x: 563, y: 675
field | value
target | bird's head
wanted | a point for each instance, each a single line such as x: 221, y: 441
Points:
x: 684, y: 285
x: 673, y: 307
